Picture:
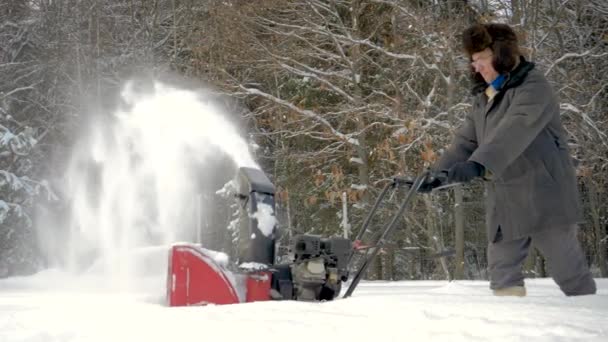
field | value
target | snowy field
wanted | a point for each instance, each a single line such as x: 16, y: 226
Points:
x: 42, y: 308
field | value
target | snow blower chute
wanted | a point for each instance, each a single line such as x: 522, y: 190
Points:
x: 316, y: 269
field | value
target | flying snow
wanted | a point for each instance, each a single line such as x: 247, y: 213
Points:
x: 135, y: 178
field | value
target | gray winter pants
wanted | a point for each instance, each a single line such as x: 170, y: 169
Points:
x: 561, y: 249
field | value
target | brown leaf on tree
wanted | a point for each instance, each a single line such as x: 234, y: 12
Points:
x: 312, y: 200
x: 386, y: 146
x: 319, y: 178
x: 428, y: 155
x: 354, y: 195
x: 284, y: 195
x: 412, y: 125
x: 584, y: 171
x: 331, y: 196
x: 337, y: 173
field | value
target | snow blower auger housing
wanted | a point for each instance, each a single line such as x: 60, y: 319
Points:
x: 316, y: 269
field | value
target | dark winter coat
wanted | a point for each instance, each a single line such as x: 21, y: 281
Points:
x: 519, y: 138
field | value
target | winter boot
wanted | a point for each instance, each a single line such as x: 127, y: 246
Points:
x: 515, y: 291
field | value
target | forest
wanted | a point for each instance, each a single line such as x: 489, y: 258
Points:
x: 337, y: 96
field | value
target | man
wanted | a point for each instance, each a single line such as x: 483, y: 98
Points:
x: 513, y: 138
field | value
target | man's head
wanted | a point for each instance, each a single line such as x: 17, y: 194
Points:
x: 492, y: 48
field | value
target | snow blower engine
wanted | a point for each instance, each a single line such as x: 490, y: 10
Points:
x: 315, y: 269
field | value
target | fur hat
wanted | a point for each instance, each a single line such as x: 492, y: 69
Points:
x: 500, y: 38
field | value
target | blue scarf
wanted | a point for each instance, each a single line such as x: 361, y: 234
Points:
x: 498, y: 82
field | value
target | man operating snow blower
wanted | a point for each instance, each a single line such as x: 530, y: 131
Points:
x: 513, y: 138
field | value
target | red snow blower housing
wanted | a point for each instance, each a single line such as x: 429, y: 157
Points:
x: 316, y: 269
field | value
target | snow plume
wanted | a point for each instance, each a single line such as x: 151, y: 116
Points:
x: 134, y: 181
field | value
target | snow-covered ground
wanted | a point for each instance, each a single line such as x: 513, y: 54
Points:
x: 44, y: 308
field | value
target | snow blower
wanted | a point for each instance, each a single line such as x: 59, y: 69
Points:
x: 316, y: 269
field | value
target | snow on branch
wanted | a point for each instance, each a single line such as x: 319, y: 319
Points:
x: 434, y: 66
x: 5, y: 208
x: 595, y: 95
x: 307, y: 113
x: 20, y: 144
x: 434, y: 122
x: 30, y: 186
x: 12, y: 180
x: 320, y: 79
x: 360, y: 187
x: 356, y: 160
x: 350, y: 40
x: 326, y: 54
x: 16, y: 90
x: 413, y: 92
x: 5, y: 136
x: 340, y: 74
x: 572, y: 55
x: 3, y: 65
x: 586, y: 119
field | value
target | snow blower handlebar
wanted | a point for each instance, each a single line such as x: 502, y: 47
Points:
x: 433, y: 181
x: 414, y: 186
x: 397, y: 182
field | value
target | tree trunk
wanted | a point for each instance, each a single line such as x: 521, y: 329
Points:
x: 459, y: 232
x: 600, y: 236
x: 379, y: 267
x: 361, y: 149
x: 541, y: 269
x: 530, y: 263
x: 432, y: 232
x: 516, y: 10
x: 361, y: 122
x: 390, y: 267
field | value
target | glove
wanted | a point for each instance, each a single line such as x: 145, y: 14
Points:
x: 464, y: 172
x: 429, y: 184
